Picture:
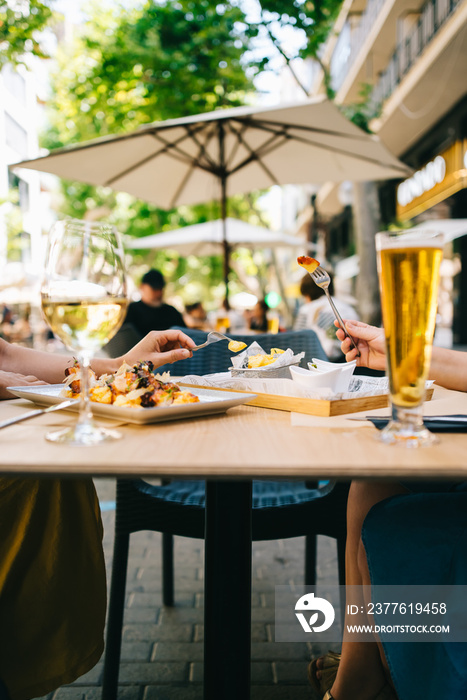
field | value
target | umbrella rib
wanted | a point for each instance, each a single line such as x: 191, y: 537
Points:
x: 195, y: 164
x: 171, y: 149
x: 256, y: 155
x: 266, y: 125
x: 270, y: 146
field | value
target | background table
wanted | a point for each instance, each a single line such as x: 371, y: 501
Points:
x: 229, y: 450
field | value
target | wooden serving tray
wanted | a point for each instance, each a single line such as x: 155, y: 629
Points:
x: 314, y: 407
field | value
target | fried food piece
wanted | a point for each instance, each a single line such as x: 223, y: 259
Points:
x: 309, y: 264
x: 236, y: 345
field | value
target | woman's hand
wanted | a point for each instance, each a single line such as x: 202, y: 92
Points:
x: 370, y: 342
x: 13, y: 379
x: 160, y: 347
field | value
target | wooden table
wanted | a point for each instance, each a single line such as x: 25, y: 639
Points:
x: 229, y: 450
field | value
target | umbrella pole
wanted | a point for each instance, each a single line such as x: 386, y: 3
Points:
x: 225, y: 243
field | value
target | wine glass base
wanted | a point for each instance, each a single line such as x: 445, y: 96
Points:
x: 406, y: 435
x: 85, y: 435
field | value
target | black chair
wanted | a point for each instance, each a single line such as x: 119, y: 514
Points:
x: 280, y: 509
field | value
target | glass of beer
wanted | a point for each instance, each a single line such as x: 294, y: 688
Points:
x: 84, y: 300
x: 408, y: 268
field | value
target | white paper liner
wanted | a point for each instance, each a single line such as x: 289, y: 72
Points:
x: 240, y: 361
x: 360, y: 386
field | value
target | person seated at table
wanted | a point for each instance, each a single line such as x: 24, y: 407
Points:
x: 52, y: 569
x: 316, y: 314
x: 195, y: 316
x: 151, y: 313
x: 407, y: 533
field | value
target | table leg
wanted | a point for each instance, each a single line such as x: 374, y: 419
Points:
x: 227, y: 605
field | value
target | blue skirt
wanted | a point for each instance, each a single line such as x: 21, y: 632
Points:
x: 421, y: 539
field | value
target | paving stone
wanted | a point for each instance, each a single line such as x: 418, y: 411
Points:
x: 72, y: 692
x: 141, y: 615
x: 179, y: 615
x: 259, y: 633
x: 279, y: 693
x: 162, y: 647
x: 291, y: 672
x: 137, y: 651
x: 164, y: 672
x: 178, y: 651
x: 158, y: 633
x: 284, y: 651
x: 260, y: 672
x: 192, y: 692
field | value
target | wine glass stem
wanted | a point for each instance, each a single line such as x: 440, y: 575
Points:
x: 85, y: 411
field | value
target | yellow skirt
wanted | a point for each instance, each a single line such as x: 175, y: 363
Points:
x: 52, y: 584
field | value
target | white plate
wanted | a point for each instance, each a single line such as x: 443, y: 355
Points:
x: 209, y: 402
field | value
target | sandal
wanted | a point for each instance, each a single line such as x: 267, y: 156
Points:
x: 328, y: 672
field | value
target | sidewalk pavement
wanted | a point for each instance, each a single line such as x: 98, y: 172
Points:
x: 162, y: 650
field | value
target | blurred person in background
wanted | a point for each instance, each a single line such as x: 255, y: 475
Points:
x: 257, y: 317
x: 195, y: 316
x: 151, y: 313
x: 316, y: 314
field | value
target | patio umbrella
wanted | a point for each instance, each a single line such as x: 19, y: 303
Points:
x: 216, y: 154
x: 208, y: 238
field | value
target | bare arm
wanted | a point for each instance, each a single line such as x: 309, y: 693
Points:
x: 158, y: 346
x: 448, y: 367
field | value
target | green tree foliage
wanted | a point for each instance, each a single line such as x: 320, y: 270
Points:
x: 21, y: 22
x: 157, y: 61
x: 311, y: 21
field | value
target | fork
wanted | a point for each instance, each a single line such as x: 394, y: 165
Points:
x: 213, y: 337
x: 321, y: 278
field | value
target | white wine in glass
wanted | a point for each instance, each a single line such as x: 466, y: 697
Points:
x: 84, y: 301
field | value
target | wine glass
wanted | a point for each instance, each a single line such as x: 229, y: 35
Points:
x: 409, y: 269
x: 84, y: 300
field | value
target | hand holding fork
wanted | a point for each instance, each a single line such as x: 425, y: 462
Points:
x: 321, y: 278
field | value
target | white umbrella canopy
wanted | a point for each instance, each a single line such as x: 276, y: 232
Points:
x: 183, y: 161
x: 217, y: 154
x: 207, y: 238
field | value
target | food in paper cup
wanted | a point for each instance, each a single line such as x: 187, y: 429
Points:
x: 254, y: 362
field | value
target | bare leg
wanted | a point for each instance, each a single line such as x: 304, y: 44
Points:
x: 362, y: 670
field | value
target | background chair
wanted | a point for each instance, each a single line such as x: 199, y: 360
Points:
x: 280, y: 509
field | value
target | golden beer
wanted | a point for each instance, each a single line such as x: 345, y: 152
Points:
x: 409, y: 269
x: 409, y: 289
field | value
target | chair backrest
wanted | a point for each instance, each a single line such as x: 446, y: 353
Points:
x: 217, y: 357
x: 122, y: 341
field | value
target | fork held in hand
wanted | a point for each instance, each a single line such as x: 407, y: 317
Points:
x: 213, y: 337
x: 321, y: 278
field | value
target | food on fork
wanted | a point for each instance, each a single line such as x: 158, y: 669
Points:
x: 309, y: 264
x: 261, y: 360
x: 236, y: 345
x: 136, y: 386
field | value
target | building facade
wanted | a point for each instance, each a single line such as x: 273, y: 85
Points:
x: 408, y: 57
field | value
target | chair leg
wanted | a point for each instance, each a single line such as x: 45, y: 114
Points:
x: 113, y: 642
x: 341, y: 572
x: 167, y: 569
x: 310, y: 560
